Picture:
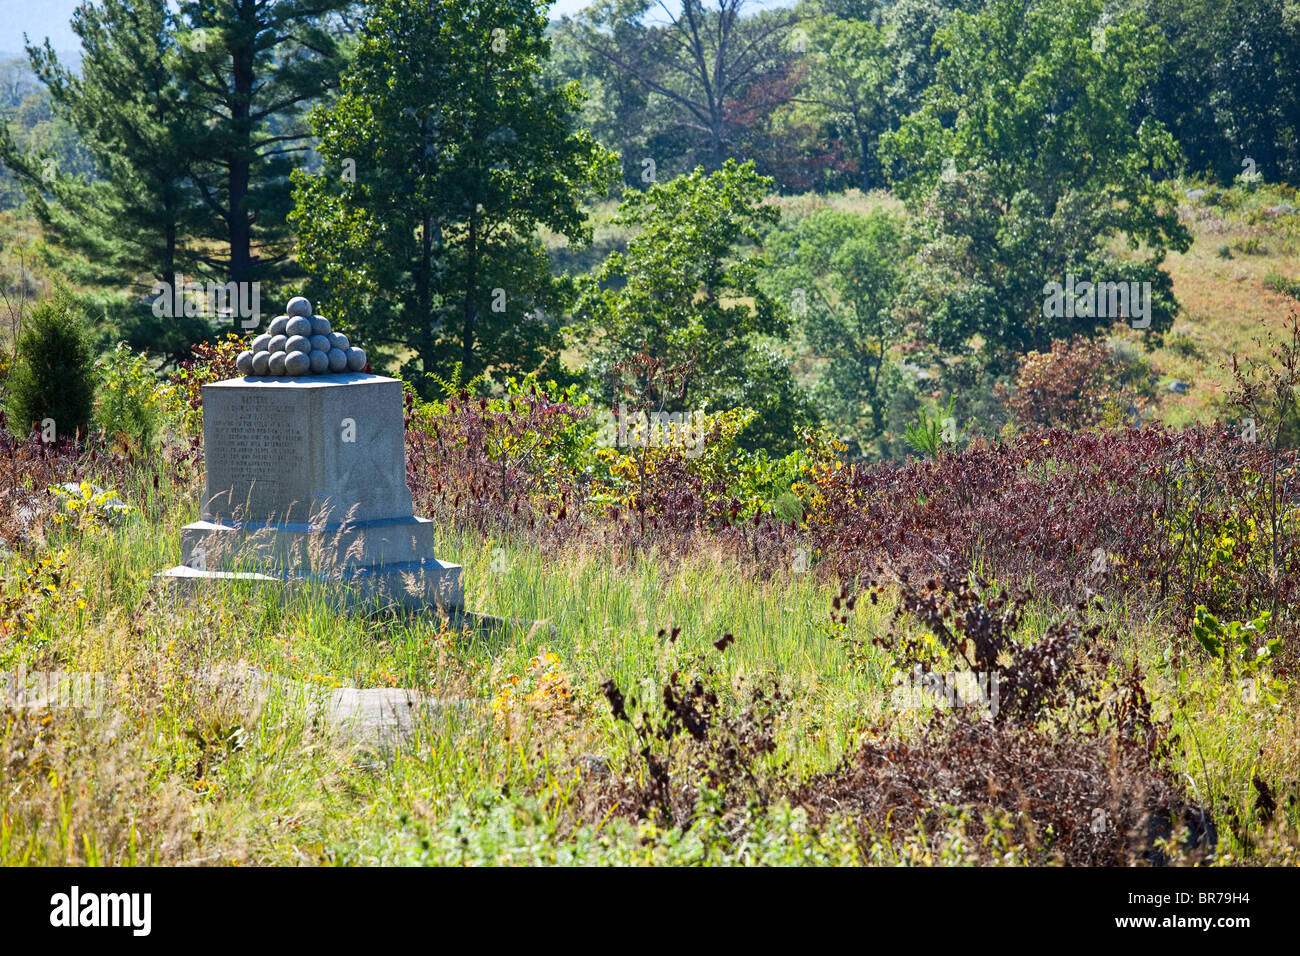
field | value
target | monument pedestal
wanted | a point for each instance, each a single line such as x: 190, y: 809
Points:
x: 306, y: 482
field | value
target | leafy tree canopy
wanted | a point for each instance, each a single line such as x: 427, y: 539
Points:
x: 445, y: 153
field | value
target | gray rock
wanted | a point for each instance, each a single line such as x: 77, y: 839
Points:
x: 298, y: 343
x: 320, y: 343
x: 262, y: 343
x: 1282, y: 209
x: 298, y: 326
x: 320, y: 325
x: 920, y: 374
x: 278, y: 325
x: 277, y: 343
x: 593, y: 765
x: 297, y: 363
x: 320, y: 362
x: 299, y: 305
x: 1195, y: 193
x: 244, y: 362
x: 275, y: 365
x: 338, y: 341
x: 356, y: 359
x: 260, y: 360
x: 1179, y: 388
x: 338, y: 360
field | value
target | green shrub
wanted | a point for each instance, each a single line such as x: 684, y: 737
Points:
x: 53, y: 375
x: 1180, y: 343
x: 129, y: 407
x: 1280, y: 283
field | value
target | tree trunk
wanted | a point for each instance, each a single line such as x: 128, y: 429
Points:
x: 169, y: 252
x: 471, y: 293
x: 864, y: 144
x: 424, y: 292
x: 240, y: 154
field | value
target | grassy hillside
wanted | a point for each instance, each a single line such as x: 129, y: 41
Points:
x: 519, y: 760
x: 211, y: 740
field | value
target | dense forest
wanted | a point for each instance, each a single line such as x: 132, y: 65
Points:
x: 240, y: 143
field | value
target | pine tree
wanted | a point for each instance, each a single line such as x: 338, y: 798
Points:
x: 251, y: 68
x: 53, y: 376
x: 130, y: 219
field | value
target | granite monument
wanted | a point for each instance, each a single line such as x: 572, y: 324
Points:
x: 306, y: 476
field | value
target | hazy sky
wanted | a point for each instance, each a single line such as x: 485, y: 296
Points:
x: 39, y: 19
x: 42, y: 18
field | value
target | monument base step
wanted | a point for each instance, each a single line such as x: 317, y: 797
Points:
x: 325, y: 549
x: 429, y: 583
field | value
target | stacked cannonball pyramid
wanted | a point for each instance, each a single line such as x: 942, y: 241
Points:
x: 299, y: 343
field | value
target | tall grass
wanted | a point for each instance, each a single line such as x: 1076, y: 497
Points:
x: 180, y: 769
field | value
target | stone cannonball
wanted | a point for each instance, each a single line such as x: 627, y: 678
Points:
x: 356, y: 359
x: 320, y: 362
x: 320, y: 343
x: 296, y: 363
x: 244, y: 362
x: 298, y: 305
x: 298, y: 326
x: 320, y: 325
x: 275, y: 365
x: 262, y: 343
x: 298, y: 343
x: 338, y: 360
x: 260, y: 360
x: 277, y: 343
x: 338, y: 341
x: 278, y: 325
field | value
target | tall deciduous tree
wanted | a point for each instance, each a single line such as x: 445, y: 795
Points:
x: 1230, y: 92
x: 445, y: 153
x: 686, y: 291
x: 840, y: 272
x: 701, y: 56
x: 845, y: 73
x: 1025, y: 162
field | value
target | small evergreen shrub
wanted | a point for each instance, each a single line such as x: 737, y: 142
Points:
x: 53, y: 376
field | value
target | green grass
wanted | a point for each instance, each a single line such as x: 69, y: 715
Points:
x: 174, y: 772
x: 287, y: 794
